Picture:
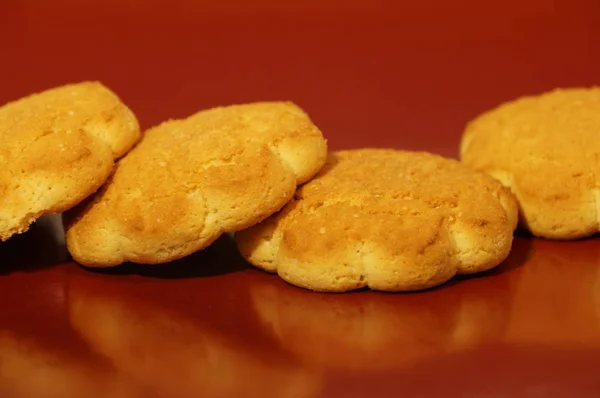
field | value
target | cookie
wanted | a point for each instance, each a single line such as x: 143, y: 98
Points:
x: 58, y: 147
x: 189, y: 181
x: 545, y: 148
x: 388, y: 220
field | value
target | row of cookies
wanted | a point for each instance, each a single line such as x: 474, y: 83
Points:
x: 397, y: 221
x: 380, y: 218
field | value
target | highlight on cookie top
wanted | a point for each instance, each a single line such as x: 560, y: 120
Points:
x: 189, y: 181
x: 545, y: 148
x: 385, y: 219
x: 58, y: 147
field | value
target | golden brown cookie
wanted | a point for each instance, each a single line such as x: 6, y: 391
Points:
x: 546, y: 149
x: 58, y: 147
x: 390, y: 220
x: 188, y: 181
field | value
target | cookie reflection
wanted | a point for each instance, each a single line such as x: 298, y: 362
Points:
x: 557, y: 299
x: 30, y: 368
x: 167, y: 341
x: 368, y: 330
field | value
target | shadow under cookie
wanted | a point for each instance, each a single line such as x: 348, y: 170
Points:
x: 41, y: 247
x: 220, y: 258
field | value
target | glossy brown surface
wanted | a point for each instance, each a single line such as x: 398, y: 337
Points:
x: 404, y: 74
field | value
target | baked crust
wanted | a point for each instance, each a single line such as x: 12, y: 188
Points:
x: 545, y: 148
x: 390, y: 220
x: 188, y: 181
x: 58, y: 147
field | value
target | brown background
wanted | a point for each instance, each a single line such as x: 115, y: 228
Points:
x: 403, y: 74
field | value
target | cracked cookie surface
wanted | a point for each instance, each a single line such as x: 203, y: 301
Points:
x: 388, y: 220
x: 188, y: 181
x: 545, y: 148
x: 56, y: 148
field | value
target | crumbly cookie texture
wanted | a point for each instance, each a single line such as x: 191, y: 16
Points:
x: 188, y: 181
x: 390, y: 220
x: 546, y: 149
x: 57, y: 148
